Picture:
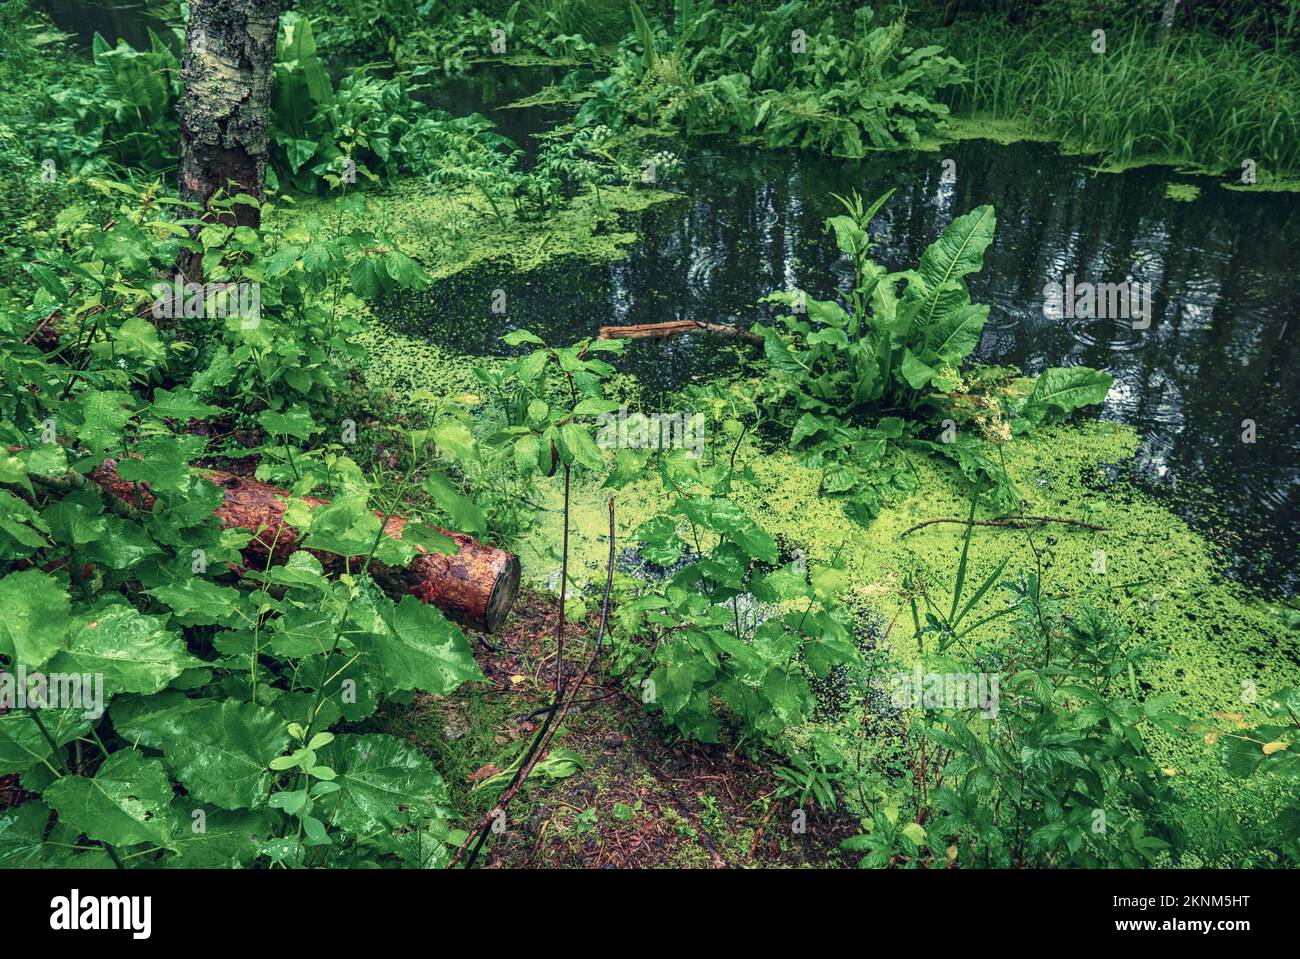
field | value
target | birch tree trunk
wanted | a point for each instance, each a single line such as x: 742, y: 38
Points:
x: 1167, y: 17
x: 227, y: 69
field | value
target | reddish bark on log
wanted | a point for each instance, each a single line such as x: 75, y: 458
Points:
x: 475, y: 587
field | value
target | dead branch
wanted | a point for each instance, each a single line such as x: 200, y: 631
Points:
x: 542, y: 740
x: 1020, y: 522
x: 662, y: 331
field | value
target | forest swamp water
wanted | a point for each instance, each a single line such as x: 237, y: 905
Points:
x: 1216, y: 353
x: 1223, y: 296
x: 1168, y: 445
x: 1166, y: 450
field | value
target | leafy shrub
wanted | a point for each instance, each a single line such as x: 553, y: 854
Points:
x: 216, y: 748
x: 136, y: 100
x: 836, y: 367
x: 1063, y: 777
x: 1268, y: 748
x: 1050, y: 766
x: 598, y: 21
x: 710, y: 74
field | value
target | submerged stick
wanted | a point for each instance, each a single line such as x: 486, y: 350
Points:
x: 662, y: 331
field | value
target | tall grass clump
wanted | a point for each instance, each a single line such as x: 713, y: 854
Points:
x: 1208, y: 101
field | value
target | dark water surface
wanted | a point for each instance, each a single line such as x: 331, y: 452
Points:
x: 129, y: 20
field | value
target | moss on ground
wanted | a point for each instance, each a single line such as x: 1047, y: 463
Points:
x: 450, y: 229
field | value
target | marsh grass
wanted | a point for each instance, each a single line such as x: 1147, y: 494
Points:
x: 1204, y: 101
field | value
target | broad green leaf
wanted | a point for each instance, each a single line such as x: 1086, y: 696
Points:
x: 455, y: 439
x: 302, y: 631
x: 124, y: 804
x: 578, y: 447
x: 659, y: 540
x: 215, y: 838
x: 917, y: 374
x: 515, y: 337
x: 22, y: 835
x: 21, y: 743
x: 163, y: 462
x: 104, y: 416
x: 1066, y: 388
x: 138, y: 337
x: 365, y: 278
x: 34, y: 615
x: 958, y: 252
x: 200, y: 602
x: 464, y: 515
x: 405, y: 272
x: 423, y: 650
x: 220, y: 752
x: 180, y: 404
x: 133, y: 652
x: 296, y: 422
x: 955, y: 335
x: 384, y: 784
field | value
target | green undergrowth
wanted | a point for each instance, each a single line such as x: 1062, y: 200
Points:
x: 1160, y: 575
x: 618, y: 792
x: 1137, y: 98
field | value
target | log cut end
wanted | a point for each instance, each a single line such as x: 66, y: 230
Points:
x: 475, y: 586
x: 503, y: 594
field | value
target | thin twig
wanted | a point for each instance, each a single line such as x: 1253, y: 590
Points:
x: 577, y: 707
x: 542, y: 739
x: 1023, y: 522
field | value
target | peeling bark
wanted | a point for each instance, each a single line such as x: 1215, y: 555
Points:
x: 227, y: 70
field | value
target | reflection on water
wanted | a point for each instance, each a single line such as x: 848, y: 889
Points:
x: 1225, y: 298
x: 129, y: 20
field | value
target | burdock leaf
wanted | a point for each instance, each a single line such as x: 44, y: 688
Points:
x: 33, y: 617
x: 423, y: 650
x: 126, y: 802
x: 199, y: 602
x: 220, y: 752
x: 22, y: 835
x: 133, y: 652
x: 384, y: 784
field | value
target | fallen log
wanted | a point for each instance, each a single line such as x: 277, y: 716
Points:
x: 476, y: 586
x: 662, y: 331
